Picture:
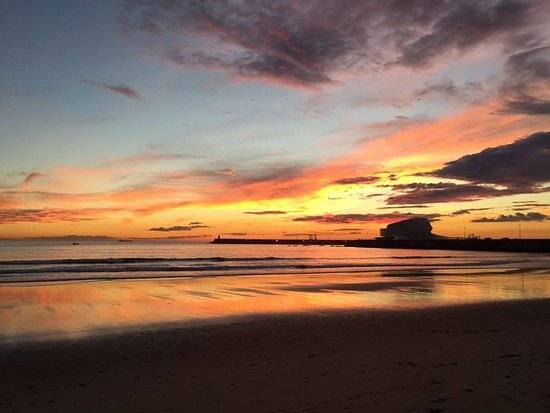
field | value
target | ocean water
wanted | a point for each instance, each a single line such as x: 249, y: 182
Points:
x: 55, y: 290
x: 60, y: 260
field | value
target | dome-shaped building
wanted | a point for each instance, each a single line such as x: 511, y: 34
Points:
x: 413, y: 228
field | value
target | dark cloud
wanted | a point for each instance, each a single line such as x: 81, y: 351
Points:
x: 270, y: 173
x: 121, y: 89
x: 442, y: 192
x: 174, y: 228
x: 266, y: 212
x: 46, y: 215
x: 191, y: 226
x: 467, y: 211
x: 32, y: 177
x: 357, y: 180
x: 176, y: 237
x: 348, y: 229
x: 307, y: 42
x: 517, y: 217
x: 355, y: 218
x: 199, y: 225
x: 447, y: 88
x: 227, y: 172
x: 526, y: 89
x: 532, y: 106
x: 521, y: 166
x: 403, y: 206
x: 464, y: 25
x: 236, y: 234
x: 367, y: 196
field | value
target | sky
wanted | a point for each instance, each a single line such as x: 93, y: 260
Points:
x: 261, y: 118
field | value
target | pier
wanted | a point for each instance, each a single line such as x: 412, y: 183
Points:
x: 457, y: 244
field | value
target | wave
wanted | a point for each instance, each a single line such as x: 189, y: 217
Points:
x: 139, y: 260
x: 213, y: 268
x: 133, y: 260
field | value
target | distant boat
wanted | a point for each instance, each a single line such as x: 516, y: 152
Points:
x: 76, y: 243
x: 125, y: 240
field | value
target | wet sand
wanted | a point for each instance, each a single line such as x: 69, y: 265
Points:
x: 475, y: 357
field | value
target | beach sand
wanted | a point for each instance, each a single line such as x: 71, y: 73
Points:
x: 476, y: 357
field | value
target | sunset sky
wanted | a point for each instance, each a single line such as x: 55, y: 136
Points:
x: 193, y: 118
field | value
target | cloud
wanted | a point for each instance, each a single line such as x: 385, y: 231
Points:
x: 447, y: 88
x: 522, y: 166
x: 236, y: 234
x: 519, y: 167
x: 449, y: 137
x: 526, y: 89
x: 442, y: 192
x: 121, y: 89
x: 396, y: 123
x: 174, y: 228
x: 278, y: 180
x: 517, y: 217
x: 464, y: 26
x: 403, y: 206
x: 48, y: 215
x: 151, y: 155
x: 357, y: 180
x: 376, y: 195
x: 227, y: 172
x: 467, y: 211
x: 32, y: 177
x: 356, y: 218
x: 159, y: 206
x: 266, y: 212
x: 174, y: 237
x: 308, y: 43
x: 190, y: 227
x: 270, y: 173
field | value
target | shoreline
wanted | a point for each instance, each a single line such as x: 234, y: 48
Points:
x: 469, y: 357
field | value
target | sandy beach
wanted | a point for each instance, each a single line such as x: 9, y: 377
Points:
x: 476, y: 357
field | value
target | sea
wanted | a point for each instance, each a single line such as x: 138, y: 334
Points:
x: 103, y: 260
x: 52, y: 290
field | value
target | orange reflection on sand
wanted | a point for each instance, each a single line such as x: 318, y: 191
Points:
x: 71, y: 309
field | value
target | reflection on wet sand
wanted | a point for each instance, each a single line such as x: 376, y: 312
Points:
x: 72, y: 309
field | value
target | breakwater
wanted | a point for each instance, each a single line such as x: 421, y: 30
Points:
x: 467, y: 244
